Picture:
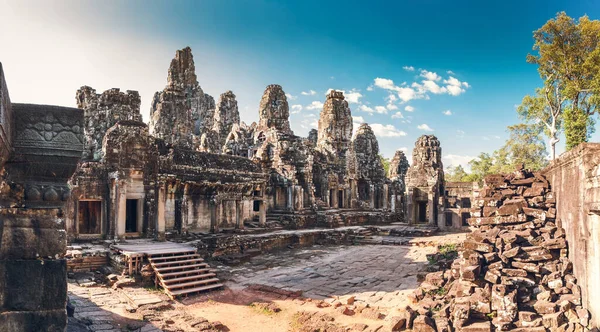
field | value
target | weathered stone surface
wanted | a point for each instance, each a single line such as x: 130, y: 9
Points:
x: 335, y: 125
x: 226, y: 116
x: 273, y: 111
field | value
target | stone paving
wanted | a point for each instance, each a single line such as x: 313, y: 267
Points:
x: 376, y: 274
x: 98, y: 306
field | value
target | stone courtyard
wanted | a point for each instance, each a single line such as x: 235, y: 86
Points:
x: 379, y: 277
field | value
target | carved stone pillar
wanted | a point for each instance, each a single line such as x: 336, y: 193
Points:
x: 262, y: 214
x: 46, y: 147
x: 160, y: 215
x: 239, y: 224
x: 213, y: 215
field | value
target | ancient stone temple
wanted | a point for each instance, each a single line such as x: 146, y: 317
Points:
x: 397, y: 175
x: 197, y: 168
x: 136, y: 183
x: 425, y: 189
x: 40, y: 146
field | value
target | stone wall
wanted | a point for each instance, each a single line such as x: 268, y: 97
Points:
x: 47, y: 143
x: 575, y: 180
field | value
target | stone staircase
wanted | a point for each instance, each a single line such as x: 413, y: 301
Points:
x: 183, y: 273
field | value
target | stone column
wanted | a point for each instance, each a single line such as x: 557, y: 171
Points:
x: 262, y: 214
x: 385, y: 196
x: 213, y: 215
x: 239, y: 224
x: 290, y: 198
x: 121, y: 208
x: 372, y: 195
x: 33, y: 278
x: 160, y: 216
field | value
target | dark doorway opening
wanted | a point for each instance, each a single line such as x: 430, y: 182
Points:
x: 340, y: 198
x: 256, y: 206
x: 448, y: 217
x: 422, y: 212
x: 90, y: 217
x: 331, y: 195
x: 464, y: 216
x: 131, y: 216
x: 178, y: 214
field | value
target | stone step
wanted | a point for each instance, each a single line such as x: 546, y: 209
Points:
x: 187, y: 278
x: 178, y: 262
x: 193, y: 283
x: 194, y: 290
x: 166, y: 276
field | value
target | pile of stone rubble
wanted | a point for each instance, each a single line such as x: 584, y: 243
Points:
x: 513, y: 272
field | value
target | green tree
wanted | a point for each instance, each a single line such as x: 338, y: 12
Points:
x: 455, y: 174
x: 525, y: 145
x: 568, y: 59
x: 545, y: 108
x: 386, y: 164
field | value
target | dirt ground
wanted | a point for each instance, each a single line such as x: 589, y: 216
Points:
x: 353, y: 288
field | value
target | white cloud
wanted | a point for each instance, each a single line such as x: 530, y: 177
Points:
x: 450, y: 72
x: 405, y: 149
x: 432, y: 87
x: 391, y: 107
x: 358, y: 119
x: 391, y: 98
x: 351, y: 96
x: 366, y: 108
x: 447, y: 112
x: 424, y: 127
x: 485, y: 138
x: 382, y: 130
x: 381, y: 109
x: 370, y: 88
x: 409, y: 68
x: 296, y: 109
x: 455, y: 160
x: 497, y: 137
x: 315, y: 105
x: 385, y: 83
x: 398, y: 115
x: 455, y: 87
x: 431, y: 76
x: 409, y: 108
x: 309, y: 93
x: 460, y: 133
x: 407, y: 94
x: 290, y: 97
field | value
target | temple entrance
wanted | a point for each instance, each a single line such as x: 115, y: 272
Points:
x: 340, y: 198
x: 178, y: 215
x: 90, y: 217
x: 131, y: 216
x: 422, y: 212
x: 331, y: 195
x: 464, y: 217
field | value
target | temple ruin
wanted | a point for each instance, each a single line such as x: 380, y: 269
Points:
x: 161, y: 204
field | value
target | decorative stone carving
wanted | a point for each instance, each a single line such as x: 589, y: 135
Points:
x: 226, y: 116
x: 48, y: 143
x: 335, y: 125
x: 274, y: 111
x: 182, y: 110
x: 425, y: 181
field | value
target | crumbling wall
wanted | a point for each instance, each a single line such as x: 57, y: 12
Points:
x: 42, y: 153
x: 425, y: 181
x: 575, y: 179
x: 102, y: 111
x: 512, y: 272
x: 458, y: 201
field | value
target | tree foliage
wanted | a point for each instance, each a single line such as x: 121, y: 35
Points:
x: 386, y: 164
x: 455, y: 174
x: 568, y: 60
x: 524, y: 146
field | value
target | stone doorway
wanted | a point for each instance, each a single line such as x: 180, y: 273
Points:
x: 422, y: 212
x: 90, y: 217
x: 131, y: 216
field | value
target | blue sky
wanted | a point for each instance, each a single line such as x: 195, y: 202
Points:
x: 467, y: 58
